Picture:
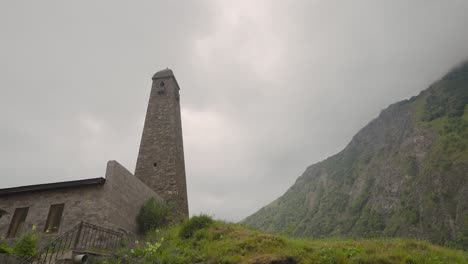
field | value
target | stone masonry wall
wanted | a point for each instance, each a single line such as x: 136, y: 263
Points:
x: 6, y: 259
x: 124, y: 196
x: 160, y: 163
x: 83, y: 203
x: 113, y: 205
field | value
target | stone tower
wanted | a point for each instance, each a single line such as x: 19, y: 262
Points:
x: 160, y: 163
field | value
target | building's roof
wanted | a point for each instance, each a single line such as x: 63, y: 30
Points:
x: 164, y: 73
x: 52, y: 186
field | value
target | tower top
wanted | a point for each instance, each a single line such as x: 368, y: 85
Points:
x: 163, y: 73
x: 166, y: 73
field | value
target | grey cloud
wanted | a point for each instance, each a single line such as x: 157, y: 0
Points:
x: 267, y: 87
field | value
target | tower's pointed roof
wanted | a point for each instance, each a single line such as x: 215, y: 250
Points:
x: 164, y: 73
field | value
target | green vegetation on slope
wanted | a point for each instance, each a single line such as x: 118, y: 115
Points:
x: 219, y: 242
x: 403, y: 175
x: 443, y: 108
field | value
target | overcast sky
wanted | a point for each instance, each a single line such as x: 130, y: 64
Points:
x: 267, y: 87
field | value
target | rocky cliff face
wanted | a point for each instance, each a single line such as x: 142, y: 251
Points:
x: 404, y: 174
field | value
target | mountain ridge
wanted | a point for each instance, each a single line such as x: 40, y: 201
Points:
x: 403, y: 174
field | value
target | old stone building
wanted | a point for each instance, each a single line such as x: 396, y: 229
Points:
x: 112, y: 201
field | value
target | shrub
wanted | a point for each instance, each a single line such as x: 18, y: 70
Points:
x: 153, y: 214
x: 149, y: 250
x: 5, y: 250
x: 26, y: 245
x: 189, y: 227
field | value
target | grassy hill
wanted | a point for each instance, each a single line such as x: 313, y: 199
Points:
x: 405, y: 174
x: 203, y: 241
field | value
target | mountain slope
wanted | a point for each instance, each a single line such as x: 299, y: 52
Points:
x: 404, y: 174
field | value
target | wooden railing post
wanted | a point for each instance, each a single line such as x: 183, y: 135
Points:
x: 78, y: 235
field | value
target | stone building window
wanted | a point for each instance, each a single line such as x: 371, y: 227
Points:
x: 161, y: 88
x: 18, y: 221
x: 54, y: 218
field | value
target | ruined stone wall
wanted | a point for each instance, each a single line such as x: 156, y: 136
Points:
x: 160, y: 163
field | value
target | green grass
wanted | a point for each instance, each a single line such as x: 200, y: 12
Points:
x: 231, y: 243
